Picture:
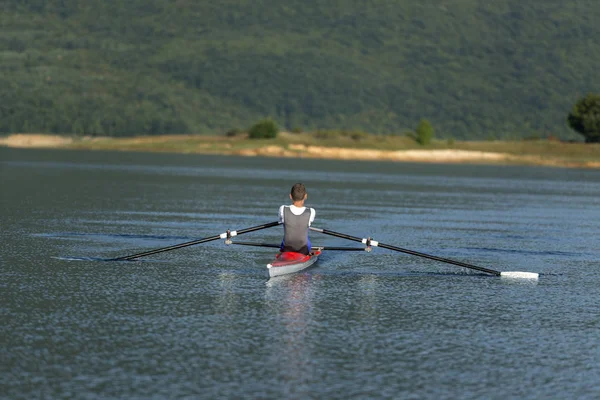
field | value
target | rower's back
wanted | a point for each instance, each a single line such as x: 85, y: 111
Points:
x: 296, y: 220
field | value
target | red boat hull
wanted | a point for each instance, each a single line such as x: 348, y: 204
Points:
x: 290, y: 262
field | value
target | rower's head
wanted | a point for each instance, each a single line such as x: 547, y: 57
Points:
x: 298, y: 192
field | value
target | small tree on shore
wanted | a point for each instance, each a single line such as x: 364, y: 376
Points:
x: 424, y: 132
x: 585, y: 118
x: 264, y: 129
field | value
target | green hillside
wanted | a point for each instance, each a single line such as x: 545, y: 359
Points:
x: 474, y: 68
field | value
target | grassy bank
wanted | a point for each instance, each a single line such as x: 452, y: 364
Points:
x: 338, y: 145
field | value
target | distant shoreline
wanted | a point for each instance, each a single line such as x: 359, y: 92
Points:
x: 576, y: 156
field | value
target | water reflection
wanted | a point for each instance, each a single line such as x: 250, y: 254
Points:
x: 228, y: 298
x: 291, y: 300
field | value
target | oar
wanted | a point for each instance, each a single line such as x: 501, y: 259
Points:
x: 369, y: 242
x: 277, y: 246
x: 227, y: 235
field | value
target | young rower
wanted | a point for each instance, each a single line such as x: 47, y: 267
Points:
x: 296, y: 219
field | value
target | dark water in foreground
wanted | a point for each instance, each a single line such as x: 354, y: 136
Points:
x: 204, y: 322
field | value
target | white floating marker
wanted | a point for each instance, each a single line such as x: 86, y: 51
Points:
x: 519, y: 275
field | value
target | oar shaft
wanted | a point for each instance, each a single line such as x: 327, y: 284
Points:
x: 258, y: 227
x: 445, y: 260
x: 274, y: 246
x: 399, y: 249
x: 163, y: 249
x: 277, y: 246
x: 333, y: 248
x: 340, y: 235
x: 194, y: 242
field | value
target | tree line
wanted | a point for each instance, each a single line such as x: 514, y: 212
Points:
x: 505, y: 69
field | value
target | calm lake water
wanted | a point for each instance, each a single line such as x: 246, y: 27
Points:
x: 205, y: 322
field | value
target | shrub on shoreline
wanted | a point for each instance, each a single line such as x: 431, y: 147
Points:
x: 264, y: 129
x: 424, y: 132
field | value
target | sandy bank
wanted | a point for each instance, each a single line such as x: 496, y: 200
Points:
x: 340, y: 153
x: 225, y: 146
x: 23, y: 141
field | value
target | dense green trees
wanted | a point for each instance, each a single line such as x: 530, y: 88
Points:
x: 505, y: 68
x: 585, y: 118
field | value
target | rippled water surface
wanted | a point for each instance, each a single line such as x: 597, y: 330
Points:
x: 204, y: 321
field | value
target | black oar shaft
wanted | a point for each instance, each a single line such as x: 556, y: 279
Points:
x: 274, y: 246
x: 193, y: 242
x: 331, y: 248
x: 163, y: 249
x: 277, y: 246
x: 340, y: 235
x: 414, y: 253
x: 445, y: 260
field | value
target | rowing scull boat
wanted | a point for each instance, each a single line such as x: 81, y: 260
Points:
x: 289, y: 262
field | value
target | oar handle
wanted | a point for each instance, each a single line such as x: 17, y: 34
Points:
x: 399, y: 249
x: 224, y: 235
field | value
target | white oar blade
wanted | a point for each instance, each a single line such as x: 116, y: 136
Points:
x: 519, y: 275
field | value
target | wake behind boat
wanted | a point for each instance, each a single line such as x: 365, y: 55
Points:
x: 290, y: 262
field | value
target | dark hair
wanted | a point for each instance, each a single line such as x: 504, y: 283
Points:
x: 298, y: 192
